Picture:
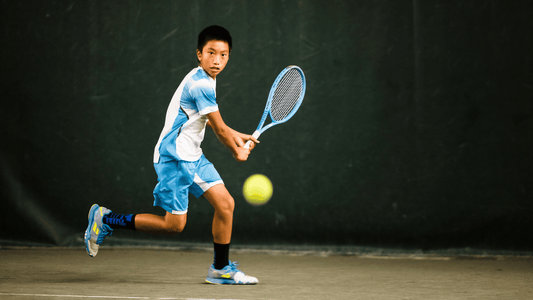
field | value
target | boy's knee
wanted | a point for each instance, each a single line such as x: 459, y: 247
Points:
x: 173, y: 229
x: 230, y: 204
x: 227, y: 206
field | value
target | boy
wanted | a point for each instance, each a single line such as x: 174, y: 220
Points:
x: 181, y: 166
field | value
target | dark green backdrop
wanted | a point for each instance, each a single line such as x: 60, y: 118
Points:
x: 415, y: 132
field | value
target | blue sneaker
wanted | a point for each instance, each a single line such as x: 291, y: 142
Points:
x: 96, y: 230
x: 229, y: 275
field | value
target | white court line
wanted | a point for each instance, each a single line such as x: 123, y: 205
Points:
x: 71, y: 296
x: 103, y: 297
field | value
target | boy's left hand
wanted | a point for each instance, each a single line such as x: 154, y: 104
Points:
x: 241, y: 154
x: 241, y: 139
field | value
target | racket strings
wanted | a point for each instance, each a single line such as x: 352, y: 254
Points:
x: 286, y: 95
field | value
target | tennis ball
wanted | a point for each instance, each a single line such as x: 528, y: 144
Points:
x: 257, y: 189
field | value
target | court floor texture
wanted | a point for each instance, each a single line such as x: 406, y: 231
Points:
x: 48, y: 273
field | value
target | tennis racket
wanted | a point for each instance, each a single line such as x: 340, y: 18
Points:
x: 284, y: 99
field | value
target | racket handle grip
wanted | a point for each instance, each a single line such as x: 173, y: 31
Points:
x: 256, y: 134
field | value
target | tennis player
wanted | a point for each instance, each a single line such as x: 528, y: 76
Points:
x: 181, y: 166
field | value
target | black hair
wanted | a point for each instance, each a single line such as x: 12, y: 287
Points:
x: 211, y: 33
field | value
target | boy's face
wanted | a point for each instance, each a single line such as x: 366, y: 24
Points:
x: 214, y: 57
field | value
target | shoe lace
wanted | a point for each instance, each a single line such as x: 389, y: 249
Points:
x: 106, y: 231
x: 233, y: 266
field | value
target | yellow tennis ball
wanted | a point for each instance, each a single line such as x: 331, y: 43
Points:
x: 257, y: 189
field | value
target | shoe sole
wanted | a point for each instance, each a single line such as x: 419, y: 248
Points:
x: 90, y: 217
x: 226, y: 281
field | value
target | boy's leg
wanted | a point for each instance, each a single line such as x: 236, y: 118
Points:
x: 222, y: 226
x: 223, y: 203
x: 102, y: 222
x: 168, y: 224
x: 171, y: 193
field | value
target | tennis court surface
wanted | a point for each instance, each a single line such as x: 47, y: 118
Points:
x: 51, y: 273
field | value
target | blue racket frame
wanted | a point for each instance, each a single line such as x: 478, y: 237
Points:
x: 267, y: 112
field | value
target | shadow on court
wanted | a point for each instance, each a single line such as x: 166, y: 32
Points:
x: 161, y: 274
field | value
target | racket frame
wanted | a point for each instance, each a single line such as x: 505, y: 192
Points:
x: 267, y: 112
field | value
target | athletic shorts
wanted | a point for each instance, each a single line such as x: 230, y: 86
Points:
x: 177, y: 178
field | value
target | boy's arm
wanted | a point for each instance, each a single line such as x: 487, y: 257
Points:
x: 232, y: 139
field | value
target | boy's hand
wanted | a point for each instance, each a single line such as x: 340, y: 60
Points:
x: 232, y: 139
x: 241, y: 154
x: 241, y: 139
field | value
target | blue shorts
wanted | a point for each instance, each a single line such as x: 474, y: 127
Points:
x: 175, y: 180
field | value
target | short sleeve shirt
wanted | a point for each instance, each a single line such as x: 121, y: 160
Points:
x: 186, y: 118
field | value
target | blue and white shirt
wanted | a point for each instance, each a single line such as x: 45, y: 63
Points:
x: 186, y: 118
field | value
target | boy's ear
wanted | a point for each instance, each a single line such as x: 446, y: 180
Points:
x: 198, y: 54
